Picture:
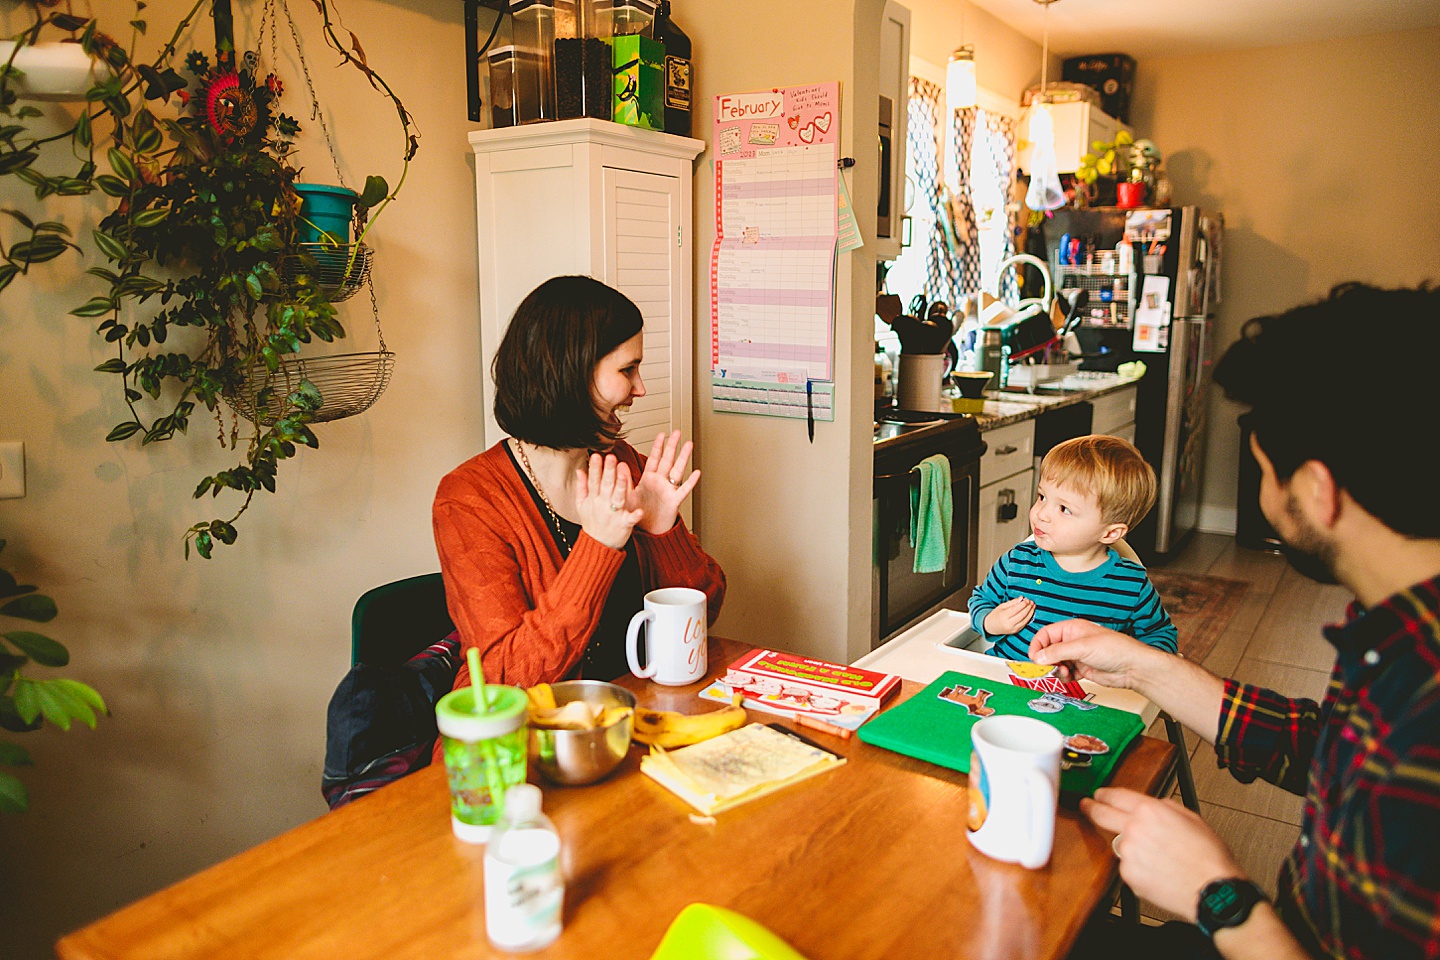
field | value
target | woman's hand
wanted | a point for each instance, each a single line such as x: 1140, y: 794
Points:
x: 601, y: 495
x: 663, y: 484
x: 1010, y: 616
x: 1167, y: 854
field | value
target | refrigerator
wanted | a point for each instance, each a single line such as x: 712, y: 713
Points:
x: 1159, y: 310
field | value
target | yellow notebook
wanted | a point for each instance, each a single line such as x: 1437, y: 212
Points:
x: 735, y: 767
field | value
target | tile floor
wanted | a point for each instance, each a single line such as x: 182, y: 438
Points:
x: 1273, y: 640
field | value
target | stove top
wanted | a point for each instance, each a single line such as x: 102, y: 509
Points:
x: 894, y: 427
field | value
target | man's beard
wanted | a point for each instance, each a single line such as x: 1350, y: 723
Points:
x: 1308, y: 552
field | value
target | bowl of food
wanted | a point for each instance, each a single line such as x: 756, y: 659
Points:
x: 580, y: 729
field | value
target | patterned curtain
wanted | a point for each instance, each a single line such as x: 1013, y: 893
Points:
x: 962, y: 205
x: 1001, y: 133
x: 942, y: 276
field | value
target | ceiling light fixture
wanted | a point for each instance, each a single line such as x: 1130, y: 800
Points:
x: 1045, y: 192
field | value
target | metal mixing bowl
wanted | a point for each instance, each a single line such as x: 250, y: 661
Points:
x: 574, y: 757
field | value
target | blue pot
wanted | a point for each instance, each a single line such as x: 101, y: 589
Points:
x: 326, y: 212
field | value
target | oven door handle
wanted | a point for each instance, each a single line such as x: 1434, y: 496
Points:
x: 912, y: 473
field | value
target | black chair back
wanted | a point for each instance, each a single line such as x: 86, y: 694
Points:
x: 395, y: 621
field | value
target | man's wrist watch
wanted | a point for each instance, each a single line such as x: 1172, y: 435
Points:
x: 1226, y: 903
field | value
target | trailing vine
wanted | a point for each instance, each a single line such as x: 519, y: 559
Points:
x: 204, y: 235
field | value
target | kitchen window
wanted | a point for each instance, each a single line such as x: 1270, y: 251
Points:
x: 957, y: 242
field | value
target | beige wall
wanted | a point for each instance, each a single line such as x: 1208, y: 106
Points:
x: 790, y: 520
x: 1005, y: 61
x: 1322, y: 158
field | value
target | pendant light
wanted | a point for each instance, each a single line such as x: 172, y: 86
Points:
x: 1045, y: 192
x: 960, y: 93
x: 960, y: 88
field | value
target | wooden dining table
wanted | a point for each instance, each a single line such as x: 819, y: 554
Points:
x: 864, y: 862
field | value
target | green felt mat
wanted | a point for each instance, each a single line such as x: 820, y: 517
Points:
x: 933, y: 728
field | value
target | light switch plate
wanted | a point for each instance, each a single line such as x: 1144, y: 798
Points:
x: 12, y: 470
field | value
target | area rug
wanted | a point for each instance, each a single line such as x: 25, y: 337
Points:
x: 1201, y: 607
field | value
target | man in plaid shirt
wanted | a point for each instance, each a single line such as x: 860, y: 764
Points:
x: 1352, y: 494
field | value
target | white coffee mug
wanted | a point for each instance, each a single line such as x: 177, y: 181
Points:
x: 674, y: 639
x: 1014, y: 787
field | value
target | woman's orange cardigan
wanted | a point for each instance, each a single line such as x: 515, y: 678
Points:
x: 510, y: 594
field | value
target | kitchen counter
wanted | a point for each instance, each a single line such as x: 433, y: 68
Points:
x: 1004, y: 407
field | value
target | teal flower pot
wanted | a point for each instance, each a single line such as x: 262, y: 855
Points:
x: 326, y: 212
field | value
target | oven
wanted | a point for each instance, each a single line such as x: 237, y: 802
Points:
x: 899, y: 595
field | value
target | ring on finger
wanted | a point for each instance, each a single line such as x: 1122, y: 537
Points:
x: 1115, y: 846
x: 614, y: 506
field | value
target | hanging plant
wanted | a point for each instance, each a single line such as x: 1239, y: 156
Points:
x: 204, y: 236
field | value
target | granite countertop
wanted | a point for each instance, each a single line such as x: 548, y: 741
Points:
x: 1004, y: 407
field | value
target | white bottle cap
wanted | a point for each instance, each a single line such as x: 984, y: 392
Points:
x: 522, y: 802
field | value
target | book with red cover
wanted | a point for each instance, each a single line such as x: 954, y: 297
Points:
x: 762, y: 668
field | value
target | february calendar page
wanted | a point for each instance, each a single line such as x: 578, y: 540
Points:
x: 772, y: 269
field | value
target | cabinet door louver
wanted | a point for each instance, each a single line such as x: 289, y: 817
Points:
x: 642, y: 261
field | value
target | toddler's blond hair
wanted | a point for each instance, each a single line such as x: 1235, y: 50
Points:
x: 1107, y: 468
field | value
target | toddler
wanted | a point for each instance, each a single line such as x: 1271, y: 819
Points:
x: 1092, y: 491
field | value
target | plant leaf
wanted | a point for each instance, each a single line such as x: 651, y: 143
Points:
x: 109, y: 246
x: 94, y: 307
x: 85, y: 693
x: 124, y: 431
x: 121, y: 165
x: 13, y: 798
x: 8, y: 272
x: 35, y: 607
x: 113, y: 365
x: 41, y: 649
x: 376, y: 190
x: 14, y: 755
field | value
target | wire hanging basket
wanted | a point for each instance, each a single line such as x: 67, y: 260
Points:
x: 348, y: 383
x: 339, y: 269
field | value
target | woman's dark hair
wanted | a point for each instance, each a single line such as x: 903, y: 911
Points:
x: 544, y: 369
x: 1349, y: 381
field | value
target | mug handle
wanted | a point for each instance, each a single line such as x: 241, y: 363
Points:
x: 632, y: 651
x: 1042, y: 794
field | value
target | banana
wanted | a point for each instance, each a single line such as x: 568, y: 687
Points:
x: 541, y: 697
x: 666, y: 728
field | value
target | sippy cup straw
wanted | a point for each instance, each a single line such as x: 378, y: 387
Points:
x: 481, y: 704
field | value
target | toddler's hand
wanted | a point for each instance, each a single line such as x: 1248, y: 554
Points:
x: 1010, y: 616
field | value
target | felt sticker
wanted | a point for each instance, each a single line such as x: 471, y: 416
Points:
x: 1080, y: 749
x: 1051, y: 684
x: 974, y: 703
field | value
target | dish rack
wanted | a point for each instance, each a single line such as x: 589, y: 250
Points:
x: 1121, y: 288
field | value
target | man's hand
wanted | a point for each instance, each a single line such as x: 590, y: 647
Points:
x: 1087, y: 651
x: 1167, y: 854
x: 1009, y: 617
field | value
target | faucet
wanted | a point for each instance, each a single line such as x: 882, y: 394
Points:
x: 1042, y: 302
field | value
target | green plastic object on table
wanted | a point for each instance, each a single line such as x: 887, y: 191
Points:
x: 934, y: 725
x: 703, y: 932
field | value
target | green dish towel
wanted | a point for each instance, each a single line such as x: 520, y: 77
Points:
x: 932, y: 509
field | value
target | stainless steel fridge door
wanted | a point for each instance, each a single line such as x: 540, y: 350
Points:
x: 1182, y: 461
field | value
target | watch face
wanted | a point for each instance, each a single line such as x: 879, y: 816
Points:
x: 1222, y: 901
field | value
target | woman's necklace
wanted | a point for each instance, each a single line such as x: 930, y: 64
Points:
x: 554, y: 517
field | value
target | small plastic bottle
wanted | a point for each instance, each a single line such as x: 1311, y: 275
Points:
x: 524, y: 889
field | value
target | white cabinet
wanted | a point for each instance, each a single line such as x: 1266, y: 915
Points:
x: 894, y: 113
x: 1114, y: 414
x: 1007, y: 485
x: 1077, y: 126
x: 597, y: 198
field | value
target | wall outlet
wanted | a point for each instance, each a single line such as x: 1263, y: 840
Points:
x: 12, y: 470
